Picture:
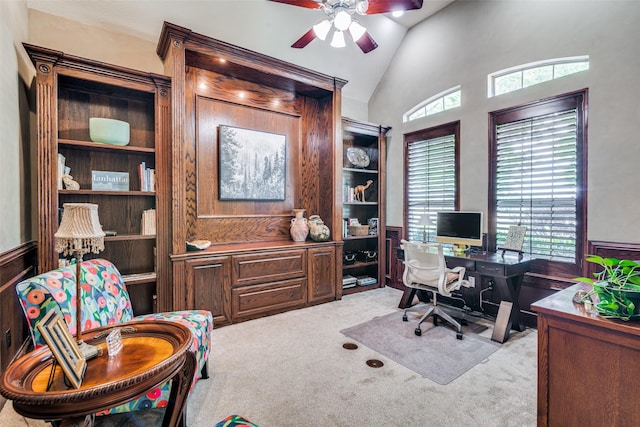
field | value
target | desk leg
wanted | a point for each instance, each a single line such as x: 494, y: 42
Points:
x: 181, y: 382
x: 509, y: 289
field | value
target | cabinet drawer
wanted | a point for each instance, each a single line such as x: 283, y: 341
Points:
x: 268, y: 267
x: 490, y: 269
x: 265, y: 299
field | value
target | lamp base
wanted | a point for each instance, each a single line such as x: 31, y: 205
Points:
x: 89, y: 351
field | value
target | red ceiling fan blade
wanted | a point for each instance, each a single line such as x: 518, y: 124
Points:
x: 386, y: 6
x: 366, y: 43
x: 309, y: 4
x: 305, y: 39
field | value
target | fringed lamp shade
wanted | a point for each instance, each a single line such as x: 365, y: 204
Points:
x: 80, y: 231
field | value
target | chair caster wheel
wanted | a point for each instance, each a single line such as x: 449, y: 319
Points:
x: 405, y: 318
x: 459, y: 335
x: 418, y: 331
x: 464, y: 323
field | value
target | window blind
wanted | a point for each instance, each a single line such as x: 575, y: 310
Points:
x: 536, y: 183
x: 431, y: 184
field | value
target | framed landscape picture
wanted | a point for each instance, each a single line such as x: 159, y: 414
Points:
x: 252, y: 164
x: 64, y: 348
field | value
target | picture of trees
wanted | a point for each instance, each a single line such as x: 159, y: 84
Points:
x: 252, y: 164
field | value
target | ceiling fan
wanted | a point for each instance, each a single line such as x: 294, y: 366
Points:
x: 340, y: 18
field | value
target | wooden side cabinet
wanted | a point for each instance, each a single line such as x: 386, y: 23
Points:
x: 587, y: 365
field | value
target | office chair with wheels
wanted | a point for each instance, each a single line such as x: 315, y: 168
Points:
x: 425, y: 269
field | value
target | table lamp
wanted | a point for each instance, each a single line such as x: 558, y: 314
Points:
x: 424, y: 220
x: 79, y: 233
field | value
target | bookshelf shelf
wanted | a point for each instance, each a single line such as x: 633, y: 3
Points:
x: 88, y: 145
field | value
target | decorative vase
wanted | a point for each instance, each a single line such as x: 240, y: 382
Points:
x: 299, y: 229
x: 318, y: 231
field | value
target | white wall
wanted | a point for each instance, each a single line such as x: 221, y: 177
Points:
x: 469, y: 39
x: 15, y: 153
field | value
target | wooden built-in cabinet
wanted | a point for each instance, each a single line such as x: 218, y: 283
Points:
x: 364, y: 163
x: 69, y: 91
x: 242, y: 282
x: 252, y: 268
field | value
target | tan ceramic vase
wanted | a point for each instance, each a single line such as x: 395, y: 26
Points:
x: 299, y: 229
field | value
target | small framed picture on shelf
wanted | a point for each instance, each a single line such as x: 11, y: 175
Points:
x: 373, y: 226
x: 63, y: 347
x: 109, y: 181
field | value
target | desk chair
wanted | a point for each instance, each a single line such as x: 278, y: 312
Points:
x: 425, y: 269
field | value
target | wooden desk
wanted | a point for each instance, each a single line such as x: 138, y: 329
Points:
x: 506, y: 272
x: 152, y: 353
x: 587, y: 373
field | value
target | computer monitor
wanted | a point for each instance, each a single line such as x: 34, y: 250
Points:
x: 462, y: 229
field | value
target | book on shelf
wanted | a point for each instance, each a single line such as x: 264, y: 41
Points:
x: 61, y: 170
x: 348, y: 281
x: 148, y: 222
x: 147, y: 177
x: 366, y: 281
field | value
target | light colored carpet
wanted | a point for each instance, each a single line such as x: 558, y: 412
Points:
x: 291, y: 370
x: 436, y: 355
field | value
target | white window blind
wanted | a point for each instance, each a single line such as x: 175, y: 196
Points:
x: 536, y: 183
x: 431, y: 184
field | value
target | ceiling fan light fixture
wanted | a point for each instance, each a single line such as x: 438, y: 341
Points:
x: 361, y: 7
x: 338, y: 39
x: 342, y: 20
x: 356, y: 30
x: 322, y: 29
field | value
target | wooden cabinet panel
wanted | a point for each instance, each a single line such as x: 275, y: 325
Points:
x: 264, y: 299
x: 209, y: 283
x: 259, y: 268
x: 579, y: 354
x: 322, y: 268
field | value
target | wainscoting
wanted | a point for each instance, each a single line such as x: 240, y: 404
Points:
x: 16, y: 265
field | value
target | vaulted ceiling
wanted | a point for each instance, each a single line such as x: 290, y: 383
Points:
x: 260, y: 25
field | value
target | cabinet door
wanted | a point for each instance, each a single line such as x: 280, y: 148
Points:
x: 322, y: 273
x: 208, y: 283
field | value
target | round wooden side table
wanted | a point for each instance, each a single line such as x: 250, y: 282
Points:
x: 152, y: 353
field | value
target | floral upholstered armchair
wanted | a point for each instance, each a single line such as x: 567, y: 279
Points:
x: 105, y: 301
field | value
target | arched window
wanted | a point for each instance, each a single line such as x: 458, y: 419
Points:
x: 516, y: 78
x: 450, y: 98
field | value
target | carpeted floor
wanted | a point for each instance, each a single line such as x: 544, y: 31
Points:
x: 290, y: 370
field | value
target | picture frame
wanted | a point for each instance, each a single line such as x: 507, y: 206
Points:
x: 514, y: 240
x: 63, y: 346
x: 252, y: 164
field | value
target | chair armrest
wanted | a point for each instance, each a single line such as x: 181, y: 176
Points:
x: 457, y: 269
x: 412, y: 265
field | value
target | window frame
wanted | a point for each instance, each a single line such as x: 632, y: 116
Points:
x: 579, y: 100
x: 423, y: 105
x: 491, y: 78
x: 421, y: 135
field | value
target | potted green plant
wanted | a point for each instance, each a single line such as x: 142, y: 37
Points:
x: 617, y: 287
